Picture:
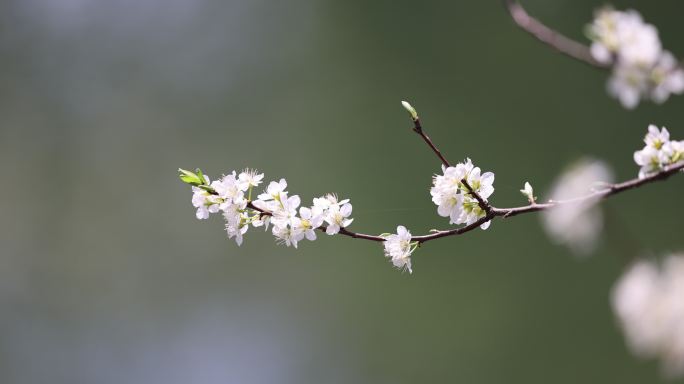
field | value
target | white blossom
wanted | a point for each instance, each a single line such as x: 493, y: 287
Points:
x: 453, y: 198
x: 577, y: 224
x: 236, y: 223
x: 325, y: 202
x: 625, y: 36
x: 337, y: 217
x: 398, y: 248
x: 667, y: 77
x: 229, y: 190
x: 286, y: 235
x: 658, y: 152
x: 629, y: 84
x: 308, y: 221
x: 249, y: 178
x: 204, y: 201
x: 647, y: 300
x: 284, y: 210
x: 642, y: 69
x: 273, y: 190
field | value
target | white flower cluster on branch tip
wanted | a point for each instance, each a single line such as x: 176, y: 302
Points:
x: 658, y: 152
x: 648, y: 301
x: 273, y: 207
x: 642, y: 69
x: 454, y: 200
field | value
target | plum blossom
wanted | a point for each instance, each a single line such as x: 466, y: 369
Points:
x: 577, y: 224
x: 642, y: 69
x: 337, y: 217
x: 658, y: 152
x: 236, y: 222
x: 398, y: 248
x: 647, y: 301
x: 453, y: 198
x: 205, y: 203
x: 273, y: 191
x: 624, y: 36
x: 308, y: 221
x: 249, y: 178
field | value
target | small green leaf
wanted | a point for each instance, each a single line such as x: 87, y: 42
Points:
x: 200, y: 176
x: 189, y: 177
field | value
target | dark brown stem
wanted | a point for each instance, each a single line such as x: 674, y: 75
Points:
x: 493, y: 212
x: 550, y: 37
x: 417, y: 128
x: 484, y: 205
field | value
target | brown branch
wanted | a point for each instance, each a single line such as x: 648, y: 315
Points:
x: 493, y: 212
x: 418, y: 128
x: 480, y: 200
x: 550, y: 37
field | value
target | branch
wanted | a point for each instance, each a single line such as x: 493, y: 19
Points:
x: 480, y: 201
x: 550, y: 37
x: 492, y: 212
x: 418, y: 128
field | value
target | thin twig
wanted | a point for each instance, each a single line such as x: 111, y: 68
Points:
x: 550, y: 37
x: 418, y: 128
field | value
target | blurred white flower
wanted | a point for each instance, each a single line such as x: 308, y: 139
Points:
x: 629, y: 84
x: 398, y: 248
x: 667, y: 77
x: 641, y: 68
x: 648, y: 302
x: 623, y: 35
x: 577, y: 224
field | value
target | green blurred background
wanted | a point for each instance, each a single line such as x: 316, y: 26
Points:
x: 107, y: 277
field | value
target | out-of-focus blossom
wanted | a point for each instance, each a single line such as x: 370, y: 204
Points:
x: 642, y: 69
x: 577, y: 223
x: 648, y: 302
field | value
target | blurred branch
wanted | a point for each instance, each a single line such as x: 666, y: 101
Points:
x: 550, y: 37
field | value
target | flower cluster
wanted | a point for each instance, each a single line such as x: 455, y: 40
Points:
x: 232, y: 195
x: 454, y: 200
x: 642, y: 69
x: 398, y: 248
x: 658, y: 152
x: 648, y: 303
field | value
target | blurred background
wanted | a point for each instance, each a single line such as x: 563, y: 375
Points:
x: 107, y: 277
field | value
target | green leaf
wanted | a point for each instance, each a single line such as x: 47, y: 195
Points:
x: 189, y: 177
x: 200, y: 176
